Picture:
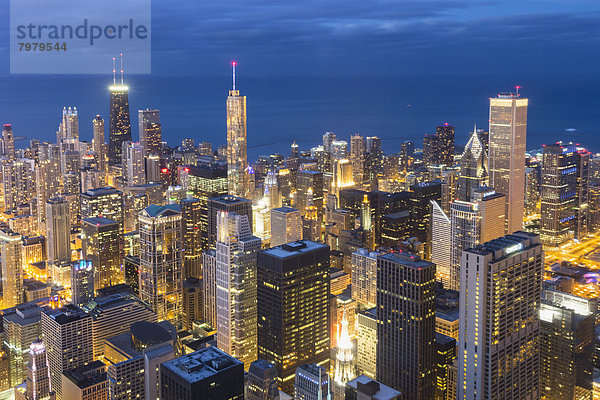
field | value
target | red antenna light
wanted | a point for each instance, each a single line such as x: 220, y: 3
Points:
x: 517, y: 87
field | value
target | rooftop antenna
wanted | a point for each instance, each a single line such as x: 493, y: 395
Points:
x: 517, y: 87
x: 114, y: 73
x: 121, y: 68
x: 233, y: 64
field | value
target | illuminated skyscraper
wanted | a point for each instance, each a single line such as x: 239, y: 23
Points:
x: 191, y: 221
x: 506, y: 159
x: 441, y: 243
x: 236, y: 287
x: 228, y: 204
x: 133, y: 164
x: 262, y: 381
x: 38, y: 372
x: 286, y: 226
x: 12, y: 268
x: 564, y: 204
x: 344, y: 361
x: 366, y: 349
x: 473, y: 167
x: 69, y: 126
x: 102, y: 244
x: 364, y: 277
x: 499, y: 328
x: 106, y: 202
x: 18, y: 183
x: 161, y: 261
x: 237, y: 157
x: 99, y: 143
x: 406, y: 320
x: 119, y: 129
x: 8, y: 142
x: 67, y: 334
x: 357, y: 158
x: 58, y: 230
x: 150, y: 131
x: 47, y: 179
x: 82, y: 282
x: 312, y: 383
x: 438, y: 148
x: 312, y: 180
x: 293, y: 307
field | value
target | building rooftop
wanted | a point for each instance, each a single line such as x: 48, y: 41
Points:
x: 370, y: 313
x: 155, y: 211
x: 507, y: 245
x: 99, y: 221
x: 229, y: 199
x: 201, y: 364
x: 374, y: 389
x: 87, y: 375
x: 262, y: 369
x: 407, y: 259
x: 121, y: 288
x: 23, y: 314
x: 66, y: 314
x: 293, y: 249
x: 104, y: 191
x: 285, y: 210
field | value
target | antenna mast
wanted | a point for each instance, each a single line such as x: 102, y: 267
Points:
x: 121, y: 68
x: 114, y: 73
x: 233, y: 64
x: 518, y: 87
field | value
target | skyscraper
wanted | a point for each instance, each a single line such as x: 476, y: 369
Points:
x: 312, y: 383
x: 441, y: 243
x: 564, y: 177
x: 18, y: 183
x: 58, y: 230
x: 236, y: 287
x: 12, y: 268
x: 286, y: 226
x: 82, y: 282
x: 364, y: 277
x: 293, y: 307
x: 69, y: 126
x: 133, y: 164
x: 438, y: 148
x: 8, y: 142
x: 47, y: 179
x: 102, y: 244
x: 310, y: 181
x: 38, y: 372
x: 262, y: 381
x: 208, y: 373
x: 150, y: 131
x: 506, y: 159
x: 106, y: 202
x: 357, y: 158
x: 119, y: 129
x: 191, y: 220
x: 68, y: 339
x: 228, y: 204
x: 406, y: 320
x: 99, y: 143
x: 161, y: 261
x: 473, y: 167
x: 344, y: 370
x: 499, y: 337
x: 366, y: 349
x: 237, y: 157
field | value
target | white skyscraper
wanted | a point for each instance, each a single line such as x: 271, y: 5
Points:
x: 133, y: 164
x: 58, y: 234
x: 12, y: 268
x: 38, y: 372
x: 237, y: 150
x: 69, y: 126
x: 506, y: 161
x: 286, y: 226
x: 364, y: 277
x: 499, y: 314
x: 441, y: 243
x: 236, y: 287
x: 344, y: 361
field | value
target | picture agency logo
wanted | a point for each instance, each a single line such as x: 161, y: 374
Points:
x: 79, y: 36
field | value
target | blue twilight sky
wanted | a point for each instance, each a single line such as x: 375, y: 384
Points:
x: 370, y: 37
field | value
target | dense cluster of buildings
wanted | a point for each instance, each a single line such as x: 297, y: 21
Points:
x: 136, y: 270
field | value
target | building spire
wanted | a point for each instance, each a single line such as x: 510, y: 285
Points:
x: 233, y: 64
x: 121, y: 68
x: 114, y: 73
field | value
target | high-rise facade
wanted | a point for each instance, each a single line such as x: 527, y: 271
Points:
x: 564, y: 200
x: 237, y: 156
x: 161, y: 261
x: 102, y: 244
x: 312, y: 383
x: 506, y: 158
x: 67, y: 335
x: 286, y: 226
x: 58, y: 230
x: 499, y: 328
x: 208, y: 373
x: 8, y: 142
x: 134, y: 168
x: 191, y: 221
x: 310, y: 182
x: 12, y: 268
x: 441, y: 243
x: 438, y: 148
x: 69, y: 126
x: 357, y: 159
x: 236, y: 287
x: 119, y: 129
x: 366, y: 346
x: 150, y: 131
x: 293, y: 307
x: 262, y: 381
x: 38, y: 372
x: 18, y: 183
x: 406, y: 320
x: 82, y: 282
x: 99, y: 143
x: 364, y: 277
x: 106, y: 202
x: 473, y: 167
x: 47, y: 179
x: 229, y: 204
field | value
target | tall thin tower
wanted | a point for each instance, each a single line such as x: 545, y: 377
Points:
x: 119, y: 130
x: 506, y: 162
x: 237, y: 151
x: 344, y: 361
